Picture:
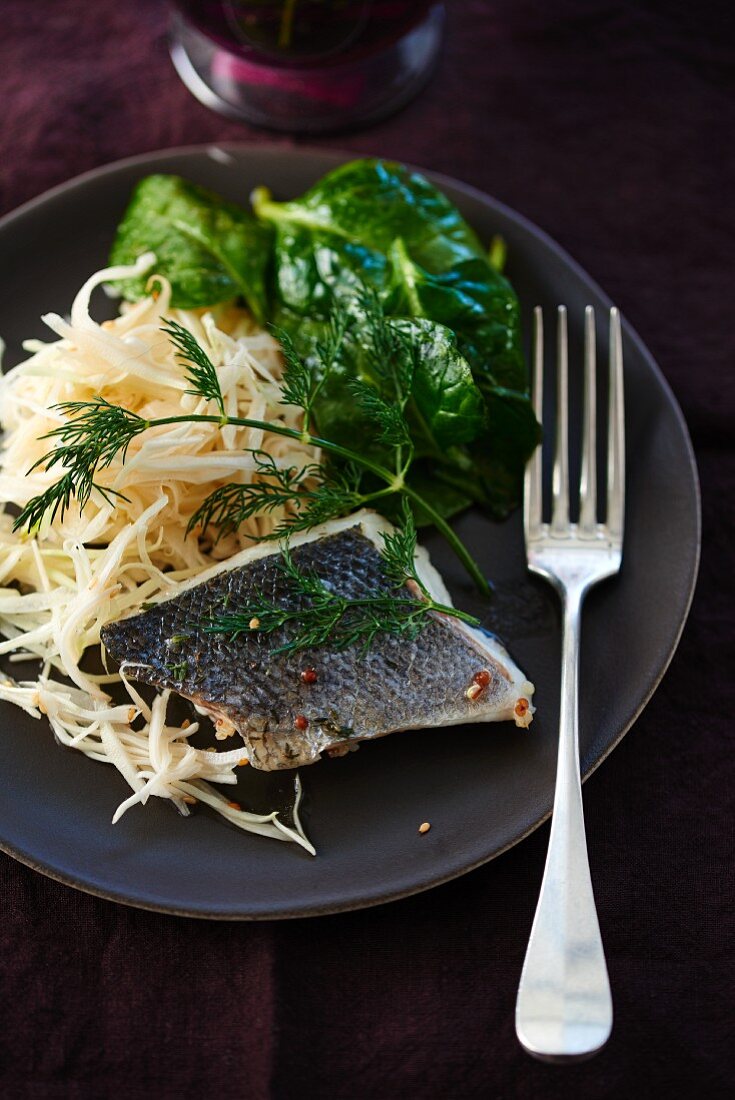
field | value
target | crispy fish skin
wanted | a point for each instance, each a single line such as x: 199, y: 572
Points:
x: 288, y: 719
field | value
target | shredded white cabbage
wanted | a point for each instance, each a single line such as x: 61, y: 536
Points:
x: 59, y: 588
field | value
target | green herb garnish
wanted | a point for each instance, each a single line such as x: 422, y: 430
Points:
x: 99, y: 430
x: 402, y: 348
x: 367, y: 224
x: 316, y: 616
x: 197, y: 365
x: 178, y: 670
x: 89, y: 441
x: 313, y: 495
x: 208, y: 249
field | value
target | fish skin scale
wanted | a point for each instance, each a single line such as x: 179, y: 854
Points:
x: 396, y: 684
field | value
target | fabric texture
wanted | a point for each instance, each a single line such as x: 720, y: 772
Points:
x: 610, y: 124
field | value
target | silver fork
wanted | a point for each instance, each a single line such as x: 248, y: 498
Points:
x: 564, y: 1007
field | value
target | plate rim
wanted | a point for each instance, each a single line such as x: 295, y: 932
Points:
x: 340, y: 156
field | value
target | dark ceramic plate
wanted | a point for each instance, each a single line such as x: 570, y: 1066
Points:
x: 483, y: 789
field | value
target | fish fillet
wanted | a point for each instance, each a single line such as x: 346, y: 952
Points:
x: 286, y: 719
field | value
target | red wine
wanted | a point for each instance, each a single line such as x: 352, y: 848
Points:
x: 304, y: 32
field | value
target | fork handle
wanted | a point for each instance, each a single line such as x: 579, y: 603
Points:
x: 564, y: 1006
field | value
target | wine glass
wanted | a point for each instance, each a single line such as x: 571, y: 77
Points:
x: 306, y: 65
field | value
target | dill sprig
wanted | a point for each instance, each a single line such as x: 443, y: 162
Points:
x: 297, y: 379
x: 334, y: 493
x: 200, y: 370
x: 98, y: 431
x: 94, y: 435
x: 389, y: 419
x: 315, y: 615
x: 303, y: 378
x: 399, y: 552
x: 97, y: 425
x: 313, y: 495
x: 393, y: 355
x: 230, y: 505
x: 385, y: 394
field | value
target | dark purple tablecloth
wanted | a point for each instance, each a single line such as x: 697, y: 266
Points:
x: 611, y: 125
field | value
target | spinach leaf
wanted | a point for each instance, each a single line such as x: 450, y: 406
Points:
x: 371, y: 203
x: 446, y: 406
x: 311, y: 268
x: 480, y: 306
x: 208, y: 249
x: 477, y: 303
x: 344, y: 227
x: 446, y: 497
x: 378, y: 224
x: 445, y: 409
x: 499, y: 457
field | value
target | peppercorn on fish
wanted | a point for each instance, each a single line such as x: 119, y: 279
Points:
x: 290, y: 707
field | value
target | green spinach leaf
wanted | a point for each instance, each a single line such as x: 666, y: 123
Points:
x: 371, y: 203
x: 477, y: 303
x: 446, y: 496
x: 378, y: 224
x: 208, y: 249
x: 446, y: 407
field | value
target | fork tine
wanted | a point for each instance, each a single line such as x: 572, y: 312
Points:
x: 616, y: 433
x: 532, y: 485
x: 560, y: 478
x: 588, y: 475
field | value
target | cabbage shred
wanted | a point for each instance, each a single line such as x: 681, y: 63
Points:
x: 60, y: 586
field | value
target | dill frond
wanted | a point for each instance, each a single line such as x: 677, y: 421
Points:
x: 392, y: 353
x: 303, y: 378
x: 230, y: 505
x: 335, y: 494
x: 310, y: 493
x: 94, y: 427
x: 388, y: 418
x: 200, y: 370
x: 95, y: 433
x: 330, y: 347
x: 316, y: 616
x: 297, y: 379
x: 399, y: 552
